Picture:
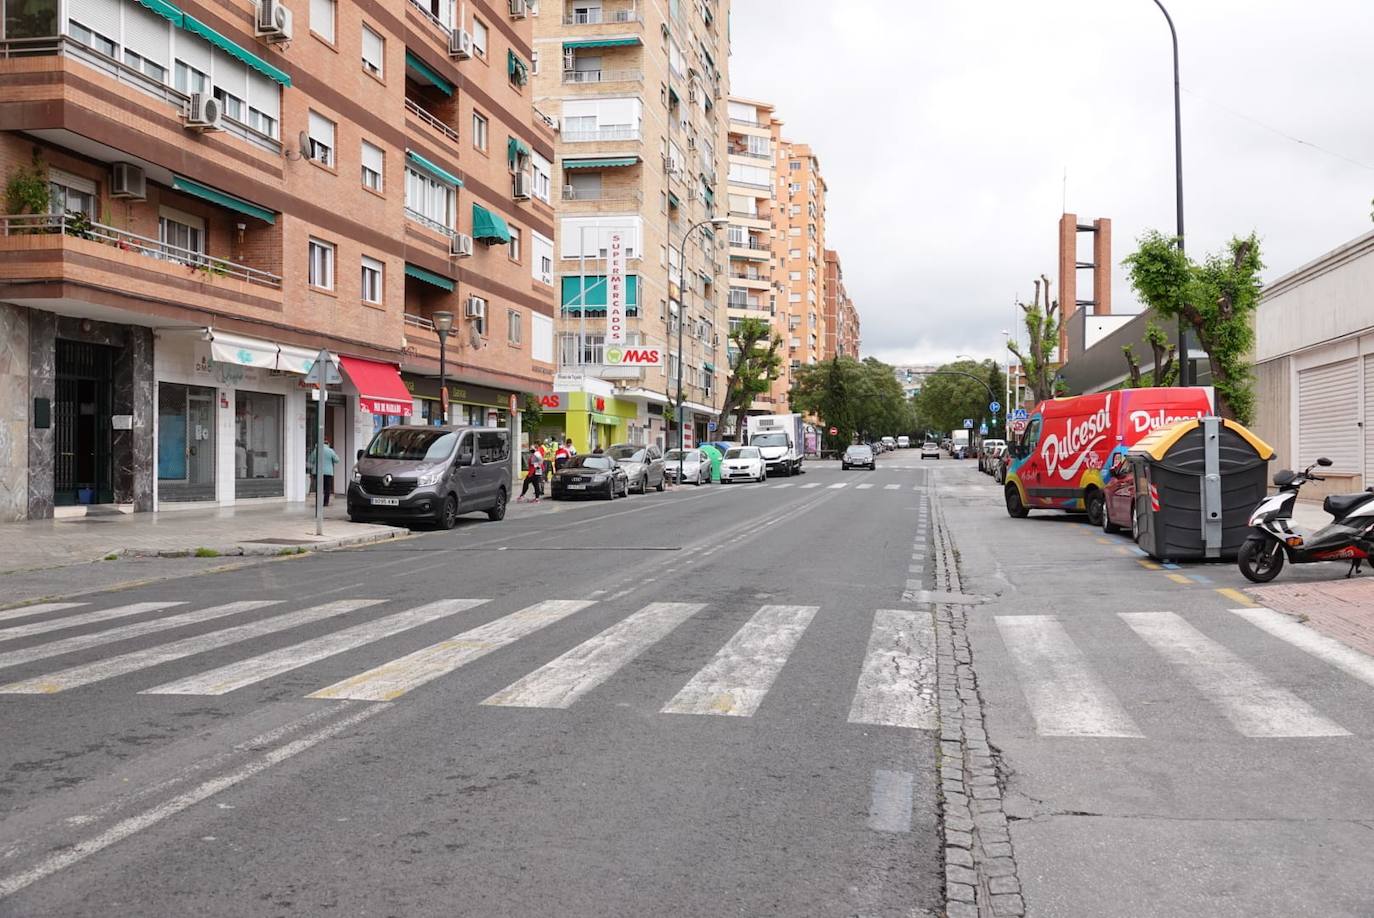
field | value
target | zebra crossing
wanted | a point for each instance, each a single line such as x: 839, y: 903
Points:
x: 1069, y: 691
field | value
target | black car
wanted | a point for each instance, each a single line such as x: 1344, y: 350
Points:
x: 858, y: 454
x: 587, y: 476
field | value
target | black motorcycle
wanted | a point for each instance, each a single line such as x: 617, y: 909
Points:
x: 1349, y: 536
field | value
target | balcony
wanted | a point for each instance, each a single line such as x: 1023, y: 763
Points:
x: 602, y: 195
x: 602, y: 16
x: 429, y: 224
x: 432, y: 121
x: 609, y: 133
x: 749, y: 248
x: 580, y: 77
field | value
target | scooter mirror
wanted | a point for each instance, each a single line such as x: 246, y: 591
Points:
x: 1324, y: 462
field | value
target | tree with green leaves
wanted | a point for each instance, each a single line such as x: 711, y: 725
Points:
x: 755, y: 363
x: 1042, y: 331
x: 957, y: 391
x: 1216, y: 298
x: 1165, y: 372
x: 860, y: 399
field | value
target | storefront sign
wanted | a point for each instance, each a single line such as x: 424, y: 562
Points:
x: 552, y: 402
x: 634, y: 356
x: 568, y: 382
x: 615, y: 291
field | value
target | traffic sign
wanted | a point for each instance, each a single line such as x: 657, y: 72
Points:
x: 1020, y: 414
x: 982, y: 430
x: 834, y: 431
x: 331, y: 371
x: 710, y: 426
x: 968, y: 423
x: 1018, y: 426
x: 995, y: 407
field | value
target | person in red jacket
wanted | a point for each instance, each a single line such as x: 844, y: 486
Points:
x: 534, y: 475
x: 561, y: 456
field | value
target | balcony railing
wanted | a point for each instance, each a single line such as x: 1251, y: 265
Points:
x: 603, y: 76
x: 750, y: 153
x: 427, y: 222
x: 748, y: 244
x: 743, y: 275
x: 571, y: 193
x: 419, y: 322
x: 748, y: 122
x: 433, y: 20
x: 431, y: 120
x: 599, y: 16
x: 81, y: 227
x: 619, y: 132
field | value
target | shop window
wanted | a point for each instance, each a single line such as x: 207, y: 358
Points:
x: 258, y: 444
x: 185, y: 442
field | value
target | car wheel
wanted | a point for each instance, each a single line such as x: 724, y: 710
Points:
x: 1096, y: 505
x: 448, y: 513
x: 662, y: 482
x: 1108, y: 526
x: 1015, y: 509
x: 498, y: 512
x: 844, y: 466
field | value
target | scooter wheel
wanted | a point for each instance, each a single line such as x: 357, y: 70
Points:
x: 1260, y: 560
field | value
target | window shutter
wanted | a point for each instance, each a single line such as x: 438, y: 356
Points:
x: 372, y: 48
x: 264, y: 94
x: 147, y: 34
x: 1328, y: 409
x: 97, y: 15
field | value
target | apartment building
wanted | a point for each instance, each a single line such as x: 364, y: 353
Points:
x: 636, y: 89
x: 203, y: 194
x: 799, y: 247
x: 841, y: 319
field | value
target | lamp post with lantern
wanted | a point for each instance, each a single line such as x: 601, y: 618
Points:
x: 443, y: 325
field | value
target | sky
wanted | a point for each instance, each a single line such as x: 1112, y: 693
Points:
x: 953, y: 133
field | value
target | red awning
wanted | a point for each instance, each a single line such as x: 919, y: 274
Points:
x: 380, y: 389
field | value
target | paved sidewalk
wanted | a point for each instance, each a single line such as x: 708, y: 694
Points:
x: 275, y: 529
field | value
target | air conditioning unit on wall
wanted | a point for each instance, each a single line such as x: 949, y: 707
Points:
x: 203, y: 112
x: 127, y: 181
x: 475, y: 308
x: 460, y: 44
x: 272, y: 20
x: 521, y: 190
x: 460, y: 245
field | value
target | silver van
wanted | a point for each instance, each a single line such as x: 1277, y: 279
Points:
x: 431, y: 475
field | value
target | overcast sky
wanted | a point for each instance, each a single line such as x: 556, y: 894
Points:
x: 944, y: 129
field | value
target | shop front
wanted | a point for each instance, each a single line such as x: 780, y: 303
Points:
x: 590, y: 419
x: 468, y: 403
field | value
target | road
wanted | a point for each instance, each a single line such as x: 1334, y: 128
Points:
x: 706, y: 702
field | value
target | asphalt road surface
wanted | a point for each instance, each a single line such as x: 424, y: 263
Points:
x: 713, y: 701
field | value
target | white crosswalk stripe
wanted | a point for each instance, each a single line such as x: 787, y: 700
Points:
x: 1254, y: 705
x: 243, y: 673
x: 39, y: 609
x: 153, y: 656
x: 560, y: 682
x: 891, y: 487
x: 1065, y: 695
x: 785, y: 484
x: 814, y: 484
x: 735, y: 682
x: 1344, y: 658
x: 392, y: 680
x: 863, y: 486
x: 839, y: 484
x: 85, y: 618
x: 897, y: 684
x: 123, y: 633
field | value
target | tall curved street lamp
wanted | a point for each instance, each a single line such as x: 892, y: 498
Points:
x: 443, y: 324
x: 1184, y: 365
x: 682, y: 320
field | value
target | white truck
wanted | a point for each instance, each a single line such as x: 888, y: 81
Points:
x: 959, y: 438
x: 779, y: 440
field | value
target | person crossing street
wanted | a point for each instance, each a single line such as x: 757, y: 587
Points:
x: 534, y: 475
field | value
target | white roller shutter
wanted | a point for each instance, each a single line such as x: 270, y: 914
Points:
x: 231, y: 76
x: 264, y: 95
x: 148, y: 35
x: 1369, y: 420
x: 192, y: 49
x: 1328, y: 409
x: 100, y: 16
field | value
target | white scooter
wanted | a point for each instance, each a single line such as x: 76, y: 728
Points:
x: 1349, y: 536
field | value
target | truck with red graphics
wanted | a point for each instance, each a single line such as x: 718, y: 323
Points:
x: 1064, y: 459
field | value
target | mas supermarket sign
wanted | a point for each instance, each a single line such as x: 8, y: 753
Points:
x: 634, y: 356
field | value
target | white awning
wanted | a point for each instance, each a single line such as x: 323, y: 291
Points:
x: 241, y: 351
x: 294, y: 359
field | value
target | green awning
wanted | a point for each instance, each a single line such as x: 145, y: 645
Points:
x: 515, y: 148
x: 442, y: 175
x: 165, y: 10
x: 429, y: 277
x: 487, y: 226
x: 516, y: 68
x: 601, y: 43
x: 604, y: 163
x: 673, y: 200
x: 709, y: 195
x: 708, y: 367
x: 427, y: 74
x: 672, y: 94
x: 206, y: 193
x: 242, y: 55
x: 595, y: 297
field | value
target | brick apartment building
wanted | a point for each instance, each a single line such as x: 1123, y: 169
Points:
x: 202, y: 194
x: 841, y: 320
x: 637, y: 90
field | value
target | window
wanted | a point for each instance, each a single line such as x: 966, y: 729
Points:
x: 479, y: 37
x: 321, y: 139
x: 592, y: 351
x: 182, y: 236
x: 541, y: 261
x: 479, y: 131
x: 70, y: 194
x: 372, y: 280
x: 534, y: 62
x: 233, y: 106
x: 541, y: 338
x: 188, y: 79
x: 513, y: 247
x: 430, y: 199
x: 794, y: 166
x: 513, y: 326
x: 373, y: 160
x: 91, y: 38
x: 543, y: 177
x: 374, y: 52
x: 759, y: 146
x: 321, y: 271
x: 144, y: 66
x: 322, y: 19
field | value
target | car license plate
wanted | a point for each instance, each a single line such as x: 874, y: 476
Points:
x: 573, y: 487
x: 386, y: 502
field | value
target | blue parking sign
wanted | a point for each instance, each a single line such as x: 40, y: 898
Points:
x: 995, y: 407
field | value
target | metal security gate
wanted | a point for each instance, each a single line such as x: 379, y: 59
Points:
x: 1328, y: 416
x: 82, y: 466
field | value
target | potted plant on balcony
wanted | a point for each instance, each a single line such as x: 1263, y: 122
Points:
x: 27, y: 192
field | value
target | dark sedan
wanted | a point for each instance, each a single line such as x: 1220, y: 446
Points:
x: 858, y: 454
x: 590, y: 476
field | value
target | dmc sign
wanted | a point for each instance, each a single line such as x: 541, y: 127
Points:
x: 634, y: 356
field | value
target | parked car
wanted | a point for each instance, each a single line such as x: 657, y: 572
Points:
x: 743, y: 463
x: 929, y: 450
x: 1118, y: 494
x: 856, y: 455
x: 585, y: 476
x: 988, y: 455
x: 960, y: 451
x: 1003, y: 461
x: 890, y: 442
x: 695, y: 470
x: 431, y: 475
x: 643, y: 465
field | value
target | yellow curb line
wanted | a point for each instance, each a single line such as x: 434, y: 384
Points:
x: 1236, y: 596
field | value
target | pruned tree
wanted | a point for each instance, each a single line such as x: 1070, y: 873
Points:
x: 1165, y: 371
x: 1042, y: 328
x: 755, y: 363
x: 1216, y: 298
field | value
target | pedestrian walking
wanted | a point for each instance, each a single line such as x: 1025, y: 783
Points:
x: 534, y: 475
x: 327, y: 459
x: 561, y: 456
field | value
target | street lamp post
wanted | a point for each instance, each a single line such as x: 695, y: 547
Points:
x: 443, y: 324
x: 681, y: 320
x: 1184, y: 365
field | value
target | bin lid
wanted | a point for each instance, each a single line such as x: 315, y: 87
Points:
x: 1158, y: 443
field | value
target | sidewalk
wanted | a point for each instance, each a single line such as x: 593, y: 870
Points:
x: 274, y: 529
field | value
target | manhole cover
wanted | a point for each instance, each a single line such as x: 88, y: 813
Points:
x: 280, y: 541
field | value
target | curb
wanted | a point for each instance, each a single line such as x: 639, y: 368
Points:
x: 246, y: 549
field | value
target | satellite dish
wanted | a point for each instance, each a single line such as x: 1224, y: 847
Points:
x: 304, y: 140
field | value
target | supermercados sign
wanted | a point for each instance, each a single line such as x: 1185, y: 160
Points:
x: 615, y: 291
x: 634, y: 356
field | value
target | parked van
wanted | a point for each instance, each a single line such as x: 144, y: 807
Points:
x: 1065, y: 457
x: 431, y: 475
x: 903, y: 442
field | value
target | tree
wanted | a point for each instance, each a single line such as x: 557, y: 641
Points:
x: 755, y: 362
x: 1216, y: 299
x: 858, y: 398
x: 957, y: 391
x: 1042, y: 327
x: 1165, y: 372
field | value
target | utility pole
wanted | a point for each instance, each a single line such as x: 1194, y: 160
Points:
x: 1185, y: 374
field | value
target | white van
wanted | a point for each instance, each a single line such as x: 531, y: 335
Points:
x: 903, y: 442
